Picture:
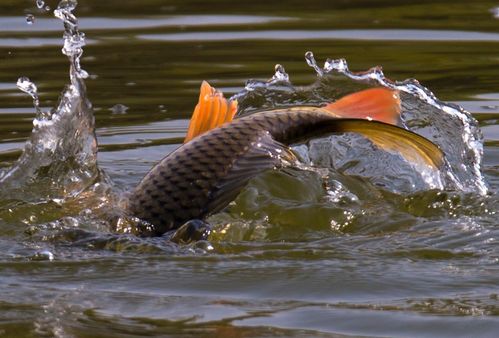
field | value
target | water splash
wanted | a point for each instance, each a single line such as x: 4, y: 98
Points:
x: 280, y: 74
x: 119, y: 109
x: 309, y: 58
x: 495, y: 12
x: 30, y: 19
x: 444, y: 123
x: 60, y: 158
x: 452, y: 128
x: 74, y: 40
x: 40, y: 4
x: 25, y: 85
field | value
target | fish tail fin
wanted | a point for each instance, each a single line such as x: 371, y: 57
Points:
x: 413, y: 147
x: 211, y: 111
x: 378, y: 104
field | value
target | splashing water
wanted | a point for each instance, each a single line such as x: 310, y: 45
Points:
x: 40, y: 4
x: 449, y: 126
x: 420, y: 258
x: 280, y: 74
x: 59, y: 160
x: 25, y: 85
x: 30, y: 19
x: 495, y: 12
x: 74, y: 40
x: 60, y: 157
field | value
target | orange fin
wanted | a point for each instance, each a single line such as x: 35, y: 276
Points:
x: 378, y: 104
x: 212, y: 111
x: 413, y: 147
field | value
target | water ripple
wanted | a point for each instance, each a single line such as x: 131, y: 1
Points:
x: 348, y: 34
x: 18, y: 24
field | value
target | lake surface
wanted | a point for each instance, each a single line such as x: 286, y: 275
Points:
x: 284, y: 259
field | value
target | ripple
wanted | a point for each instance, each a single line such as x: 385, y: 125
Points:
x: 491, y: 133
x: 348, y: 34
x: 18, y: 24
x: 30, y: 42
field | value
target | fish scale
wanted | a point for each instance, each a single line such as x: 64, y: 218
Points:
x: 181, y: 185
x: 202, y: 176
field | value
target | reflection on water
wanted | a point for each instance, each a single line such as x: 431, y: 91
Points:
x: 299, y: 253
x: 353, y: 34
x: 13, y: 24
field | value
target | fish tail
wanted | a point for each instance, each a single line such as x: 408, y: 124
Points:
x: 211, y: 111
x: 413, y: 147
x: 379, y: 104
x: 383, y: 105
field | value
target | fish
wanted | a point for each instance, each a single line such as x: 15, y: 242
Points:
x: 221, y: 153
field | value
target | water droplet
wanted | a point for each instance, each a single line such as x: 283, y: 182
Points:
x: 490, y: 107
x: 30, y: 19
x: 376, y: 73
x: 495, y: 12
x: 58, y: 201
x: 25, y: 85
x: 119, y: 109
x: 338, y: 65
x: 43, y: 256
x: 280, y: 74
x: 309, y: 57
x: 67, y: 5
x: 74, y: 40
x: 162, y: 108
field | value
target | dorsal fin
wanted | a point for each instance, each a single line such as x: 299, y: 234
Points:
x: 212, y: 111
x: 378, y: 104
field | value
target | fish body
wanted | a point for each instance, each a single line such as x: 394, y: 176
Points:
x: 206, y: 173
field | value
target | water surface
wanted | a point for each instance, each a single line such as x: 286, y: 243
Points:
x: 286, y: 259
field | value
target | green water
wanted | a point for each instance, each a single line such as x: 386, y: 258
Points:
x: 285, y: 262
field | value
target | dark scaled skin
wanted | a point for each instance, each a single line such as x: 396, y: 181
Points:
x: 204, y: 175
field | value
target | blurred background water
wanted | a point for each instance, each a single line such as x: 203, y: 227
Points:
x: 286, y: 261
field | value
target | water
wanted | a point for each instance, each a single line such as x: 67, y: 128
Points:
x: 299, y: 253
